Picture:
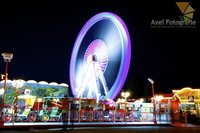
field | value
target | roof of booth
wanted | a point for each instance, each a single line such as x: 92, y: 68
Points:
x: 35, y: 82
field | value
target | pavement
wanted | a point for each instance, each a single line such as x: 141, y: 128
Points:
x: 37, y: 125
x: 180, y: 124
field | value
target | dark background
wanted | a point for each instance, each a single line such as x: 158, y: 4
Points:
x: 41, y: 37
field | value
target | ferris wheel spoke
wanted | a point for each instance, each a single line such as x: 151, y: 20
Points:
x: 103, y: 81
x: 81, y: 89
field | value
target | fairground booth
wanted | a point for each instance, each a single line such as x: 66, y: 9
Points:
x: 189, y: 101
x: 162, y: 105
x: 29, y: 101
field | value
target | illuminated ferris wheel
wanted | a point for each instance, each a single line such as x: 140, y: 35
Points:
x: 100, y: 58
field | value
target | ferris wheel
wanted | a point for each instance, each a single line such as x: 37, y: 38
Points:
x: 100, y: 58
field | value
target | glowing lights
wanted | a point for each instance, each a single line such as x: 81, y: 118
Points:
x: 7, y: 81
x: 1, y: 91
x: 18, y: 83
x: 151, y: 81
x: 97, y: 52
x: 7, y: 56
x: 43, y: 82
x: 39, y: 100
x: 158, y: 98
x: 31, y: 81
x: 21, y: 81
x: 125, y: 94
x: 53, y: 83
x: 186, y: 89
x: 141, y: 100
x: 105, y: 40
x: 120, y: 100
x: 63, y: 84
x: 95, y: 62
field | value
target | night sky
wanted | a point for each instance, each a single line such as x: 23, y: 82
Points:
x: 41, y: 37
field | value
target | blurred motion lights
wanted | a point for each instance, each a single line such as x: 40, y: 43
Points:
x: 100, y: 58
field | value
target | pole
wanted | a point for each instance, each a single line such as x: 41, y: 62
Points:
x: 152, y: 86
x: 114, y: 113
x: 38, y: 106
x: 154, y: 104
x: 7, y: 58
x: 69, y: 113
x: 186, y: 118
x: 125, y: 108
x: 6, y: 76
x: 79, y: 110
x: 154, y: 110
x: 2, y: 105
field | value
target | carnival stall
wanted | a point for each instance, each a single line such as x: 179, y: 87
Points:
x: 189, y: 103
x: 26, y: 101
